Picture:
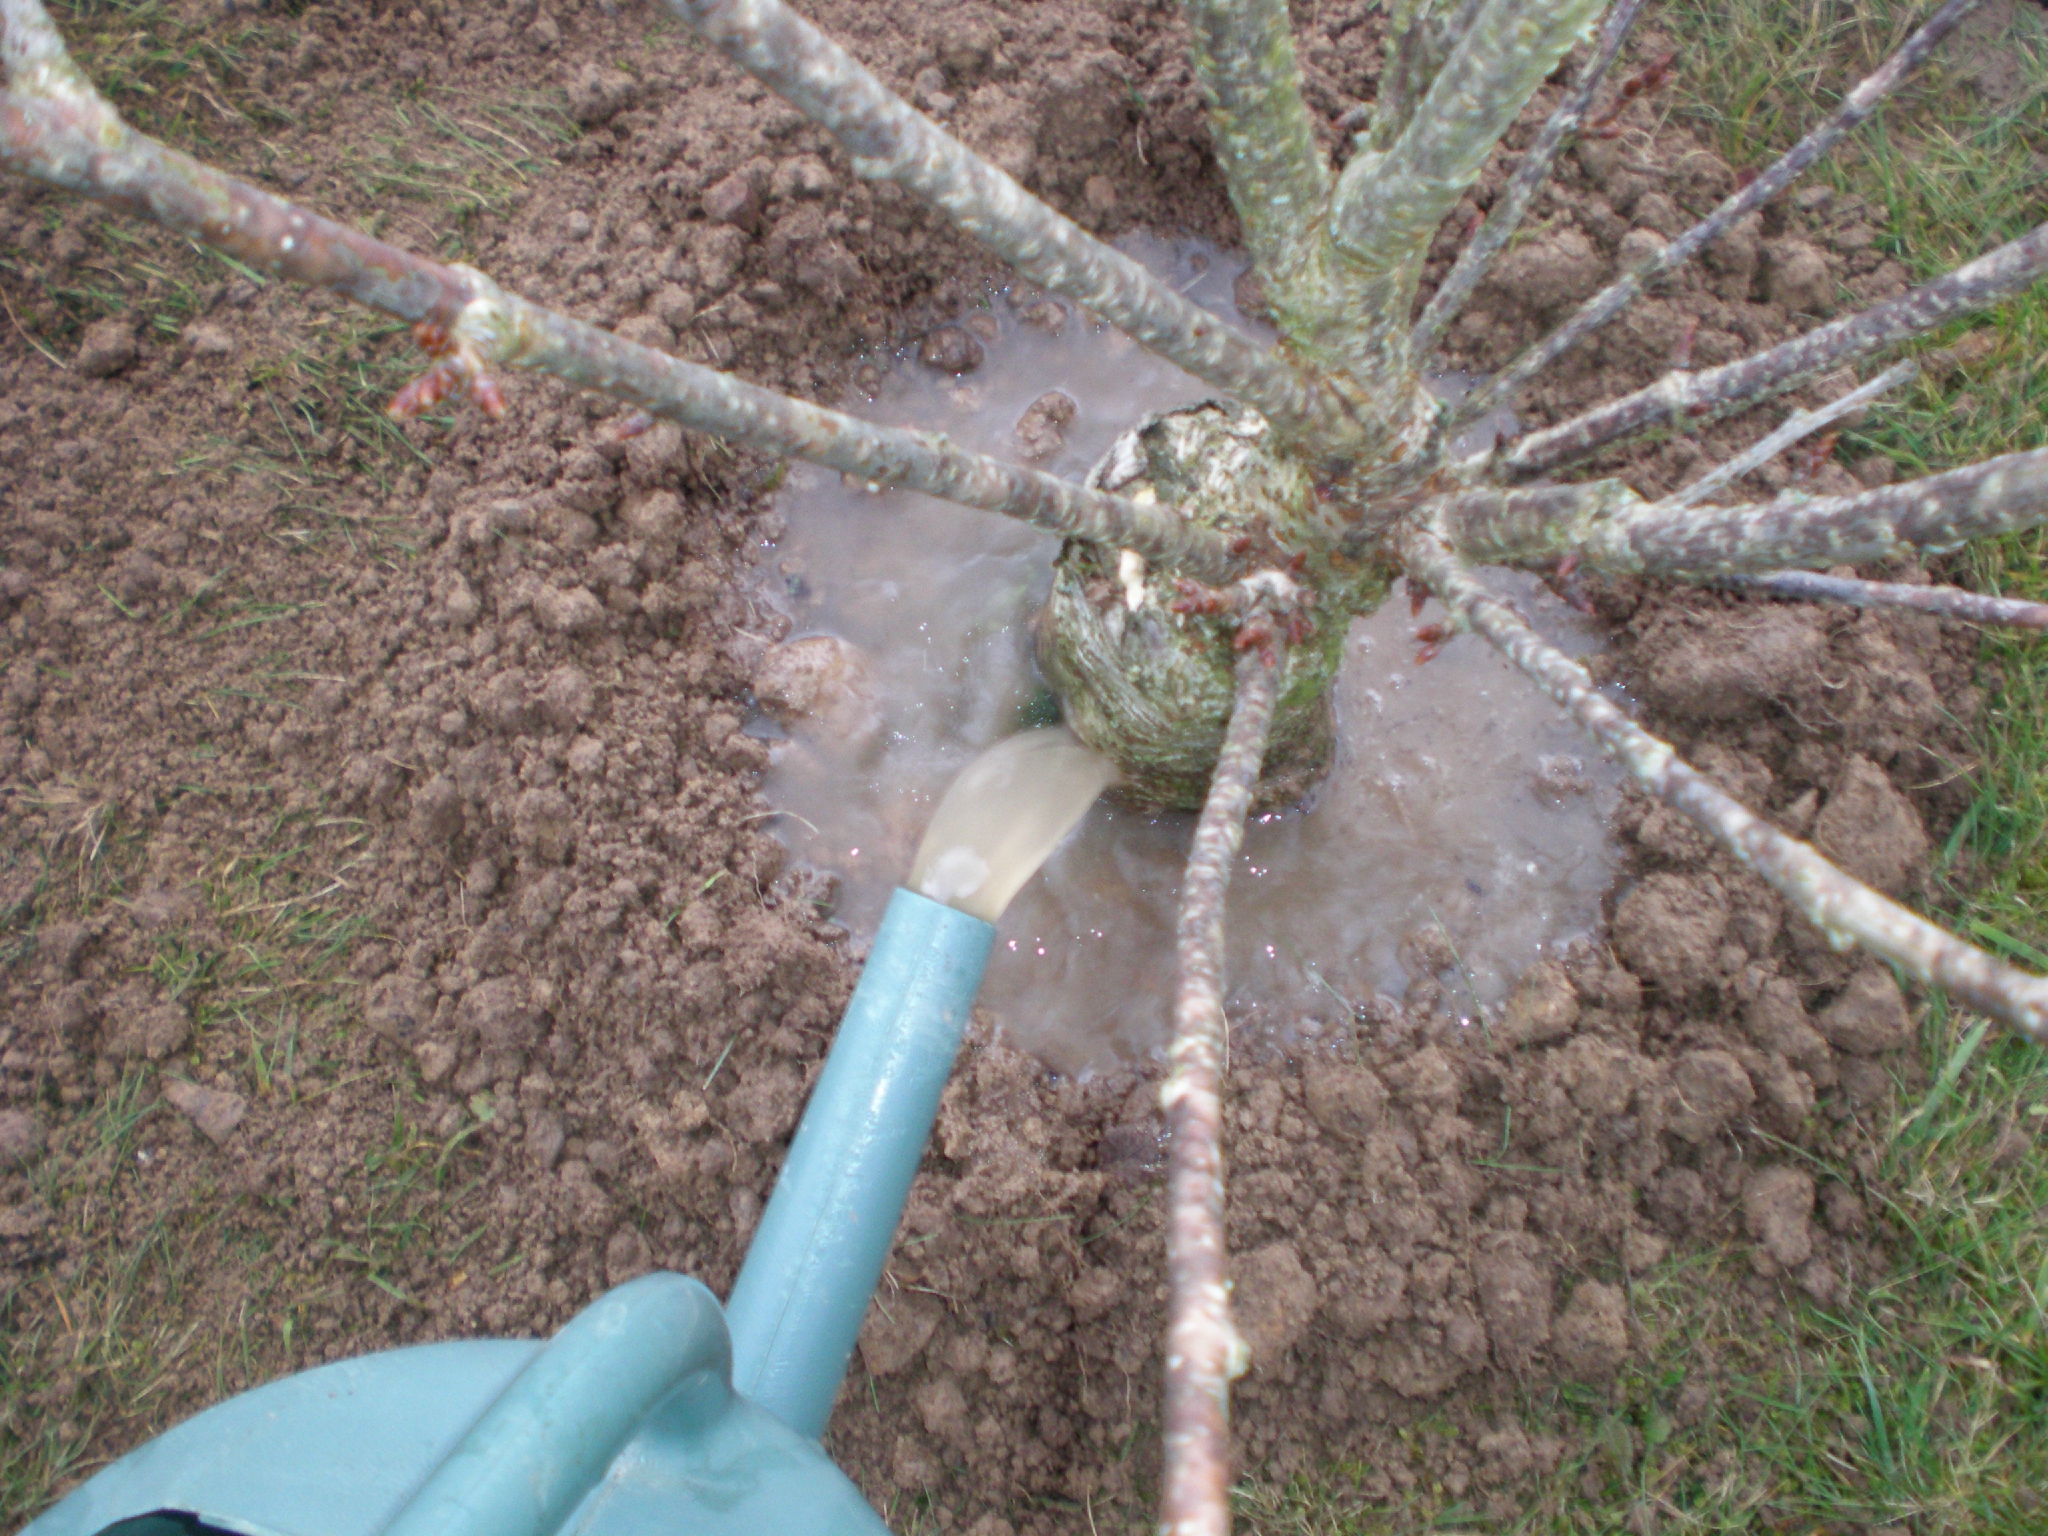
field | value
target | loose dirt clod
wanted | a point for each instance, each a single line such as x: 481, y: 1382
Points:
x: 22, y: 1140
x: 1592, y: 1332
x: 214, y: 1111
x: 1777, y: 1204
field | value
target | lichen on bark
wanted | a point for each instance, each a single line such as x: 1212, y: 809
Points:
x: 1151, y: 687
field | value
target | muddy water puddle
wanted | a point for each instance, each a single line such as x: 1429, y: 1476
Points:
x: 1461, y: 835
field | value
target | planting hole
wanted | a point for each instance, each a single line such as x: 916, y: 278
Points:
x: 1461, y: 835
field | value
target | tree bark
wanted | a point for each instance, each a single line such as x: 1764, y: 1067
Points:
x: 890, y: 142
x: 1204, y: 1353
x: 1610, y: 528
x: 1144, y: 675
x: 1505, y: 217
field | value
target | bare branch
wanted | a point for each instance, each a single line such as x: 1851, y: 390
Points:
x: 1929, y: 515
x: 1419, y: 40
x: 510, y: 330
x: 1203, y: 1350
x: 80, y: 144
x: 890, y: 142
x: 1796, y: 426
x: 1690, y: 401
x: 1844, y: 909
x: 1387, y: 206
x: 36, y: 60
x: 1506, y: 215
x: 1610, y: 528
x: 1611, y: 300
x: 1534, y: 526
x: 1265, y: 142
x: 1944, y: 602
x: 472, y: 325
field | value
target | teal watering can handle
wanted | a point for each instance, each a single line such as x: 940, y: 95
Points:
x: 817, y: 1256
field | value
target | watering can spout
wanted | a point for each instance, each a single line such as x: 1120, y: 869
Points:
x: 653, y: 1410
x: 796, y: 1308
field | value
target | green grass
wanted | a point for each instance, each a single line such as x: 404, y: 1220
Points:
x: 1924, y: 1406
x: 168, y: 72
x: 105, y: 1349
x: 455, y: 162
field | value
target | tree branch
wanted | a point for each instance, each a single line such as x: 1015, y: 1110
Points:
x: 1506, y: 215
x: 77, y: 142
x: 1844, y: 909
x: 1244, y: 56
x: 1798, y: 425
x: 1944, y: 602
x: 1612, y: 529
x: 1203, y: 1350
x: 1533, y: 526
x: 471, y: 326
x: 1690, y: 401
x: 1387, y: 206
x: 1418, y: 42
x: 1611, y: 300
x: 37, y: 62
x: 890, y: 142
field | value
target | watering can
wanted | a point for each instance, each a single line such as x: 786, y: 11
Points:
x: 654, y: 1411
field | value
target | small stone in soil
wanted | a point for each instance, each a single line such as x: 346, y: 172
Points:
x: 107, y: 347
x: 215, y: 1111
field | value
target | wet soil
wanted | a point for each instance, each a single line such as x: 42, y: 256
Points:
x: 394, y: 947
x: 1464, y: 810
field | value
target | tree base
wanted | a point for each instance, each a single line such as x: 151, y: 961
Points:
x: 1151, y: 689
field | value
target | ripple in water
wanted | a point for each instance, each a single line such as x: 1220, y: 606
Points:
x: 1463, y: 831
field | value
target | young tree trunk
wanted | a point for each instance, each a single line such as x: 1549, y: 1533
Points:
x: 1144, y: 663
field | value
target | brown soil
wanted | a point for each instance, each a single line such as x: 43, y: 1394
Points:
x: 394, y: 949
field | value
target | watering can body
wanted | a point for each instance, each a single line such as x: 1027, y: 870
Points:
x: 624, y: 1424
x: 653, y: 1411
